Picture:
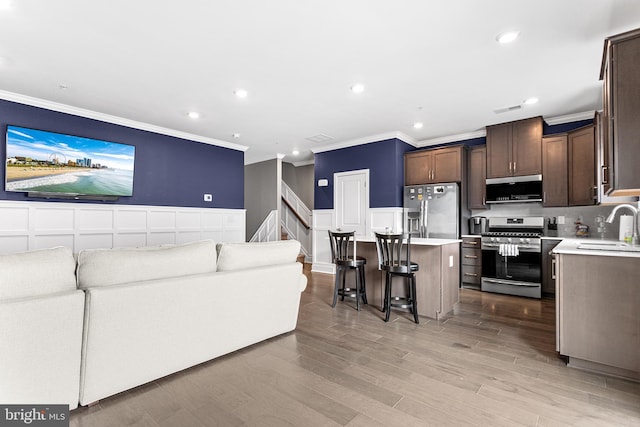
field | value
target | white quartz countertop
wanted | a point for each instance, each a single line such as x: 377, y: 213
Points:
x: 415, y: 241
x: 572, y: 247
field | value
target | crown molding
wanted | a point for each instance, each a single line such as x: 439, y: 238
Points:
x: 568, y: 118
x: 366, y: 140
x: 89, y: 114
x: 452, y: 138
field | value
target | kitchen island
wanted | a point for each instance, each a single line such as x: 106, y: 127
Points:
x: 437, y: 280
x: 597, y: 306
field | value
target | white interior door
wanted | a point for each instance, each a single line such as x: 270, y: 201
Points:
x: 351, y: 200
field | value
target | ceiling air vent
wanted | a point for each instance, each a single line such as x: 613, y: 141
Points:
x: 507, y: 109
x: 321, y: 137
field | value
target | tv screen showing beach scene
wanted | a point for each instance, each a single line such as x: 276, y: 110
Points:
x: 47, y: 162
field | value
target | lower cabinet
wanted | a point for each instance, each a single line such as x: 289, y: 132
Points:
x: 548, y: 270
x: 597, y: 316
x: 471, y: 262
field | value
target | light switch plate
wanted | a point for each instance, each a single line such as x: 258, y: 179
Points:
x: 208, y: 198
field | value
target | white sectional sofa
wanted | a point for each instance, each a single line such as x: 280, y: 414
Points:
x: 41, y: 314
x: 150, y: 312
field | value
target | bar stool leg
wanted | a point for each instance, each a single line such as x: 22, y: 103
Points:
x: 357, y: 288
x: 387, y: 298
x: 336, y: 287
x: 364, y: 285
x: 413, y: 299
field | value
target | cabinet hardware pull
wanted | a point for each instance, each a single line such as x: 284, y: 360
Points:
x: 469, y: 243
x: 514, y: 167
x: 553, y: 268
x: 471, y: 256
x: 605, y: 175
x: 471, y: 274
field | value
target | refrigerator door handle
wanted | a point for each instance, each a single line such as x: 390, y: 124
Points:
x: 424, y: 207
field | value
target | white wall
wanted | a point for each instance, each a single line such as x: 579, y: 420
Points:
x: 38, y: 225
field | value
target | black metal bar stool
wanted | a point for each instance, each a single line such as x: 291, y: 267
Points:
x: 341, y: 242
x: 394, y: 257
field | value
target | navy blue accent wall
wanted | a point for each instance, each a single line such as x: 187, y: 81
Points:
x: 169, y: 171
x: 385, y: 161
x: 564, y: 127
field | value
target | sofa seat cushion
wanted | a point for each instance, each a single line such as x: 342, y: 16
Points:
x: 239, y: 256
x: 106, y: 267
x: 36, y: 273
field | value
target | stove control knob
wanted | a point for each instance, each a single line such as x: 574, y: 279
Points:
x: 527, y: 240
x: 509, y: 239
x: 493, y: 239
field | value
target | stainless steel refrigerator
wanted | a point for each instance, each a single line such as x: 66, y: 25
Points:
x: 432, y: 210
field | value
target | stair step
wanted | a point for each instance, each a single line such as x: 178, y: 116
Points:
x: 300, y: 258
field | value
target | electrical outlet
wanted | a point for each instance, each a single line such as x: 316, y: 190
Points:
x: 561, y: 219
x: 208, y: 198
x: 450, y: 260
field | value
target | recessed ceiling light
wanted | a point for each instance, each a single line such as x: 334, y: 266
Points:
x: 193, y: 114
x: 295, y: 152
x: 5, y: 4
x: 241, y: 93
x: 235, y: 135
x: 530, y: 101
x: 418, y: 125
x: 357, y: 88
x: 507, y: 37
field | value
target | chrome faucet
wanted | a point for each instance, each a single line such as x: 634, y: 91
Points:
x: 634, y: 237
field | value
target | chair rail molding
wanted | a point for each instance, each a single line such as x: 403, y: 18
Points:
x: 37, y: 225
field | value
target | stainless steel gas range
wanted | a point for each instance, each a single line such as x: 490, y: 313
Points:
x: 512, y: 256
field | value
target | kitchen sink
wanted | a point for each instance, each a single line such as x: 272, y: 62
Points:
x: 609, y: 246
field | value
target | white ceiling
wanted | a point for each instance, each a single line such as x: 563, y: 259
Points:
x: 151, y: 62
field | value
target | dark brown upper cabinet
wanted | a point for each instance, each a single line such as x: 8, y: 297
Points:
x: 514, y: 148
x: 581, y: 151
x: 476, y: 177
x: 569, y: 168
x: 433, y: 166
x: 554, y: 171
x: 621, y: 126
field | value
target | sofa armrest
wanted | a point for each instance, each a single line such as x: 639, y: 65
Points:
x: 40, y: 345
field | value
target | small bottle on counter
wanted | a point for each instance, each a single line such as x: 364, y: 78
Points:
x: 582, y: 230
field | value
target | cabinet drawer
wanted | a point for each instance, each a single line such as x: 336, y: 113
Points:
x: 471, y: 242
x: 471, y: 274
x: 471, y: 256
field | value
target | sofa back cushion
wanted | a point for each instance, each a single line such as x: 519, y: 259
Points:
x: 105, y: 267
x: 239, y: 256
x: 38, y: 272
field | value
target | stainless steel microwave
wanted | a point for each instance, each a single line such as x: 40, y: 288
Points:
x: 514, y: 189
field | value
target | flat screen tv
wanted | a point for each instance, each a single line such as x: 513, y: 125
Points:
x: 47, y: 164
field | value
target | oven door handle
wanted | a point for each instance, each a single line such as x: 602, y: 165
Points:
x: 521, y: 248
x: 501, y: 282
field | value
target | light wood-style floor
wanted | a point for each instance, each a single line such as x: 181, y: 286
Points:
x: 491, y: 363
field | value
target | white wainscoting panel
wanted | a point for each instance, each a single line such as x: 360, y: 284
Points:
x: 37, y: 225
x: 323, y: 220
x: 378, y: 220
x: 381, y: 219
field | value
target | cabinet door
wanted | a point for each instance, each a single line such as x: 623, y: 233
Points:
x: 554, y: 171
x: 548, y: 280
x: 499, y: 150
x: 582, y: 167
x: 625, y: 110
x: 417, y: 168
x: 447, y: 165
x: 526, y: 151
x: 476, y: 178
